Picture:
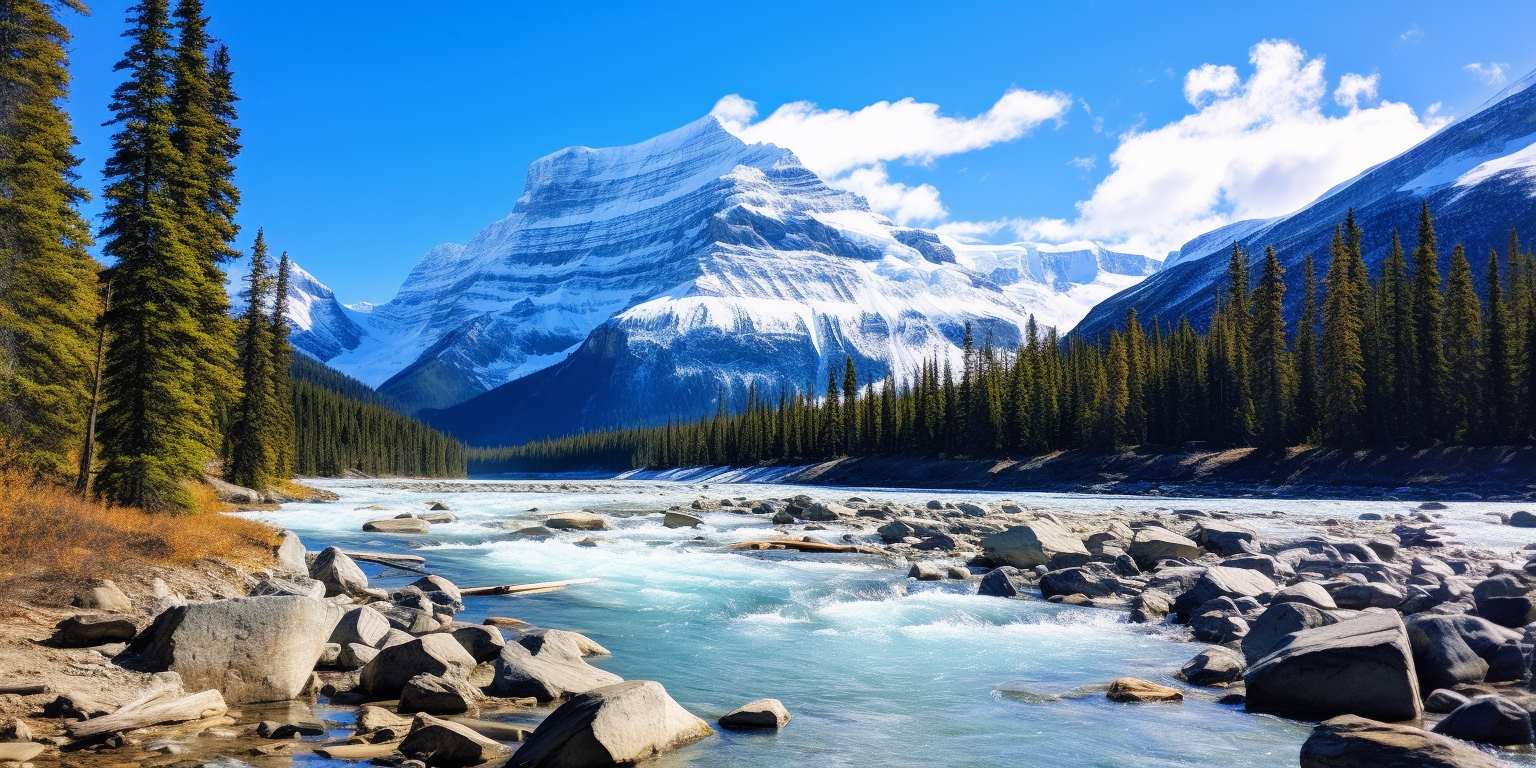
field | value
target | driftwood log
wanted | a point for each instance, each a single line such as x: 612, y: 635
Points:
x: 159, y: 706
x: 523, y: 589
x: 806, y: 546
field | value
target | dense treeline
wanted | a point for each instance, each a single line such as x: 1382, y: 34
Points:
x: 338, y: 434
x: 1394, y: 358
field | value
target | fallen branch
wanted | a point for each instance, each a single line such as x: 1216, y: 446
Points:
x: 523, y: 589
x: 24, y: 689
x: 806, y: 546
x: 156, y: 707
x: 387, y: 558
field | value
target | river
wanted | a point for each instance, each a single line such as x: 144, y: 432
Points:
x: 877, y: 670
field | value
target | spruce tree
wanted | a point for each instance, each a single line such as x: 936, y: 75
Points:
x: 1428, y: 389
x: 252, y: 458
x: 1404, y: 350
x: 851, y: 425
x: 156, y: 429
x: 48, y: 298
x: 281, y: 434
x: 1308, y: 376
x: 1239, y: 383
x: 1500, y: 413
x: 1343, y: 380
x: 1271, y: 359
x: 1463, y: 350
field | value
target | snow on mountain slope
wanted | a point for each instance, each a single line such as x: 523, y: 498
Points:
x: 1478, y: 176
x: 630, y: 284
x: 320, y: 326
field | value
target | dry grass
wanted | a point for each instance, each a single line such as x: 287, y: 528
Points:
x: 48, y: 535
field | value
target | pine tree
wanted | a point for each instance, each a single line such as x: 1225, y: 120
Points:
x: 1136, y: 361
x: 48, y: 298
x: 281, y: 433
x: 832, y: 419
x: 252, y: 458
x: 202, y: 192
x: 1428, y: 388
x: 1500, y: 413
x: 155, y: 429
x: 1463, y: 350
x: 1343, y: 379
x: 1404, y: 354
x: 1308, y: 377
x: 1271, y: 359
x: 851, y: 425
x: 1239, y: 314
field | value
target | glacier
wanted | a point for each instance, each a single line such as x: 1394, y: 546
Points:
x: 667, y: 278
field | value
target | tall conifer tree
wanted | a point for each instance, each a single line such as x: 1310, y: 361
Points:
x: 1308, y: 376
x: 252, y: 455
x: 281, y: 433
x: 48, y: 297
x: 156, y: 429
x: 1271, y: 359
x: 1428, y: 388
x: 1463, y: 350
x: 1500, y: 412
x: 1343, y: 380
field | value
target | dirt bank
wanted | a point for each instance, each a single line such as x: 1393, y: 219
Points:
x: 1420, y: 474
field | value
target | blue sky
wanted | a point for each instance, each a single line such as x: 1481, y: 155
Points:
x: 374, y: 130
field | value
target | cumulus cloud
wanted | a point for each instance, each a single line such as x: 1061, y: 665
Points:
x: 1256, y: 147
x: 1085, y: 163
x: 850, y: 148
x: 1354, y: 89
x: 1490, y: 72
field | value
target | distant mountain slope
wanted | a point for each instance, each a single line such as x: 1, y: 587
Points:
x: 1478, y: 176
x: 647, y: 281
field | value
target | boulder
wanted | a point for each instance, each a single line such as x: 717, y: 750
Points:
x: 437, y: 695
x: 895, y: 532
x: 563, y: 642
x: 971, y: 510
x: 1512, y: 611
x: 823, y: 511
x: 338, y: 573
x: 1130, y: 690
x: 86, y: 631
x: 613, y: 725
x: 441, y: 592
x: 925, y: 571
x: 435, y: 654
x: 1224, y: 538
x: 1150, y: 607
x: 1362, y: 666
x: 398, y: 525
x: 1358, y: 597
x: 1003, y: 581
x: 361, y: 625
x: 1214, y: 666
x: 1307, y: 593
x: 252, y: 649
x: 1443, y: 701
x: 1219, y: 627
x: 680, y: 520
x: 1026, y: 546
x: 1221, y: 581
x: 284, y: 583
x: 762, y: 713
x: 1488, y: 720
x: 1265, y: 564
x: 290, y: 554
x: 1093, y: 580
x: 1355, y: 742
x: 355, y: 656
x: 1152, y: 544
x: 444, y: 744
x: 578, y: 521
x: 1521, y: 518
x: 105, y: 596
x: 547, y: 675
x: 482, y: 642
x: 1274, y: 627
x: 1441, y: 656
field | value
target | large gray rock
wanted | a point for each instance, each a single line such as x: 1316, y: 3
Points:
x: 437, y: 695
x: 1306, y: 592
x: 290, y: 554
x: 1274, y: 627
x: 1488, y: 720
x: 613, y: 725
x: 1358, y: 597
x: 1026, y: 546
x: 1093, y: 580
x: 1150, y: 607
x: 252, y: 649
x: 361, y: 625
x: 338, y: 573
x: 1214, y: 666
x: 1224, y: 538
x: 1002, y: 581
x: 548, y: 675
x: 561, y: 642
x: 1362, y: 666
x: 483, y: 642
x: 435, y: 654
x: 578, y: 521
x: 398, y: 525
x: 444, y: 744
x: 1221, y: 581
x: 1355, y: 742
x: 1441, y: 656
x: 103, y: 595
x: 1152, y: 544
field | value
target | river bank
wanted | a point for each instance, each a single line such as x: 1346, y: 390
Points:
x: 1494, y: 474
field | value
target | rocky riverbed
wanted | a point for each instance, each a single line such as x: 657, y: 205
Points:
x: 1332, y: 635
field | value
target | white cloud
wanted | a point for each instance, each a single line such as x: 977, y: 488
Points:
x: 1353, y: 89
x: 1084, y: 163
x: 850, y: 148
x: 1209, y: 80
x: 1412, y: 34
x: 1490, y: 72
x: 1252, y: 148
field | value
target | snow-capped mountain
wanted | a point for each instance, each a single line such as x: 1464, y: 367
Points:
x: 1477, y: 174
x: 632, y: 284
x: 320, y: 326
